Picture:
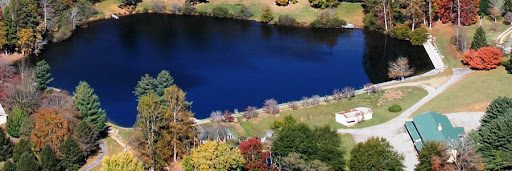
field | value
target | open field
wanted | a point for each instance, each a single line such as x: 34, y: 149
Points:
x: 324, y: 114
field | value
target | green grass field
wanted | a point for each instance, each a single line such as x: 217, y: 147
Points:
x: 324, y: 114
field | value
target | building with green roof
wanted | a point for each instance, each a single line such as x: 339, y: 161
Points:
x: 431, y: 126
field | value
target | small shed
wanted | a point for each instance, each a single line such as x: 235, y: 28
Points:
x: 3, y: 115
x: 431, y: 126
x: 354, y: 116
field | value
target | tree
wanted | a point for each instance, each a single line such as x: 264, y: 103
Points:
x: 485, y: 58
x: 418, y: 36
x: 43, y: 75
x: 50, y: 127
x: 508, y: 17
x: 26, y: 127
x: 497, y: 108
x: 48, y: 159
x: 7, y: 75
x: 26, y: 40
x: 3, y: 36
x: 163, y: 81
x: 485, y: 7
x: 23, y: 94
x: 400, y: 31
x: 270, y: 106
x: 479, y: 40
x: 14, y: 121
x: 5, y: 146
x: 266, y: 15
x: 427, y: 152
x: 375, y: 154
x: 27, y: 162
x: 149, y: 126
x: 122, y: 162
x: 466, y: 157
x: 494, y: 137
x: 415, y: 12
x: 148, y: 84
x: 399, y: 68
x: 9, y: 166
x: 130, y: 2
x: 72, y: 155
x: 295, y: 161
x: 22, y: 146
x: 324, y: 3
x: 216, y: 156
x: 181, y: 131
x: 89, y: 106
x: 87, y: 137
x: 507, y: 7
x: 252, y: 152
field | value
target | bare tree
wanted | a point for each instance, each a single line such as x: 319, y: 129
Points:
x: 24, y: 94
x: 337, y: 94
x: 250, y: 112
x: 384, y: 4
x: 270, y: 106
x: 315, y: 100
x: 293, y: 105
x: 464, y: 155
x: 228, y: 116
x: 47, y: 11
x: 399, y: 68
x: 75, y: 17
x: 371, y: 88
x: 348, y: 92
x: 216, y: 116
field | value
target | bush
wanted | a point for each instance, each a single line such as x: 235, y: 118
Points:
x: 400, y: 31
x: 282, y: 2
x: 188, y: 9
x: 418, y: 36
x: 266, y: 15
x: 395, y: 108
x: 370, y: 22
x: 324, y: 3
x: 286, y: 20
x: 508, y: 66
x: 220, y: 12
x: 485, y: 58
x: 244, y: 13
x: 508, y: 18
x: 327, y: 19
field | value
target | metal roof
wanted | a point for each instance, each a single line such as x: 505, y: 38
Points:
x: 432, y: 126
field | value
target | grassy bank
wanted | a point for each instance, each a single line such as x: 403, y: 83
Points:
x: 324, y: 114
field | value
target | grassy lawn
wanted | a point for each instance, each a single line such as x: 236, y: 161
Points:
x: 472, y: 93
x: 125, y: 133
x: 107, y: 7
x: 324, y: 114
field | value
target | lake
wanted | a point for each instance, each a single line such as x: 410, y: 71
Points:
x: 222, y: 64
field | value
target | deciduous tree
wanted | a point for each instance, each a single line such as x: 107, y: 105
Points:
x: 216, y: 156
x: 252, y: 151
x: 427, y: 152
x: 270, y: 106
x: 49, y: 128
x: 485, y: 58
x: 399, y: 68
x: 26, y: 40
x: 375, y: 154
x: 122, y: 162
x: 23, y: 94
x: 89, y: 106
x: 43, y: 75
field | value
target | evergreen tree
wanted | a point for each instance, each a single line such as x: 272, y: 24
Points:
x: 9, y: 166
x: 87, y: 137
x: 5, y: 146
x: 497, y: 108
x: 507, y: 7
x: 429, y: 150
x: 157, y: 85
x: 49, y: 160
x: 163, y: 80
x: 479, y: 40
x: 494, y: 141
x: 19, y: 14
x: 72, y: 155
x: 43, y: 75
x: 15, y: 120
x: 144, y: 86
x: 26, y: 127
x: 27, y: 162
x: 485, y: 6
x: 89, y: 106
x: 22, y: 146
x: 375, y: 154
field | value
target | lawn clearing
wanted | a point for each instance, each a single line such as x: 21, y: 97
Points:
x: 472, y: 94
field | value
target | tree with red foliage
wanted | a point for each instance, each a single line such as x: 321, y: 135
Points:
x: 443, y: 10
x: 7, y: 74
x: 469, y: 12
x: 484, y: 58
x: 252, y: 151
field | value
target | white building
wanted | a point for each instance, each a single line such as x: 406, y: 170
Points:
x: 3, y: 115
x: 354, y: 116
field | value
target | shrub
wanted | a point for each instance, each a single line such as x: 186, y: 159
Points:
x: 286, y: 20
x: 228, y: 116
x: 324, y: 3
x: 156, y: 6
x: 508, y: 66
x: 244, y: 13
x: 395, y: 108
x: 485, y: 58
x: 370, y: 22
x: 266, y: 15
x: 327, y: 19
x: 188, y: 9
x: 508, y: 18
x: 250, y: 112
x: 400, y: 31
x: 220, y: 12
x: 293, y: 105
x: 418, y: 36
x: 282, y: 2
x: 348, y: 92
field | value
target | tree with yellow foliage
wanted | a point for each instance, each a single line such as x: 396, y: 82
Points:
x: 216, y: 156
x: 122, y: 162
x: 26, y: 40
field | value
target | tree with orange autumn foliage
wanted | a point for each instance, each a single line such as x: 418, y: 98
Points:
x: 485, y: 58
x: 50, y: 127
x: 469, y: 12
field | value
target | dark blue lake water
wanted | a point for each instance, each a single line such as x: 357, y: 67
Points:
x: 221, y: 64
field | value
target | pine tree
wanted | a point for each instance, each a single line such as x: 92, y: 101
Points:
x: 89, y: 106
x: 72, y: 155
x: 497, y: 108
x: 5, y: 146
x: 22, y: 146
x: 9, y: 166
x: 49, y: 160
x: 87, y: 137
x: 144, y: 86
x: 43, y: 75
x: 485, y: 6
x: 27, y: 162
x: 494, y: 140
x: 429, y: 150
x: 479, y: 40
x: 507, y: 7
x: 15, y: 120
x: 163, y: 80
